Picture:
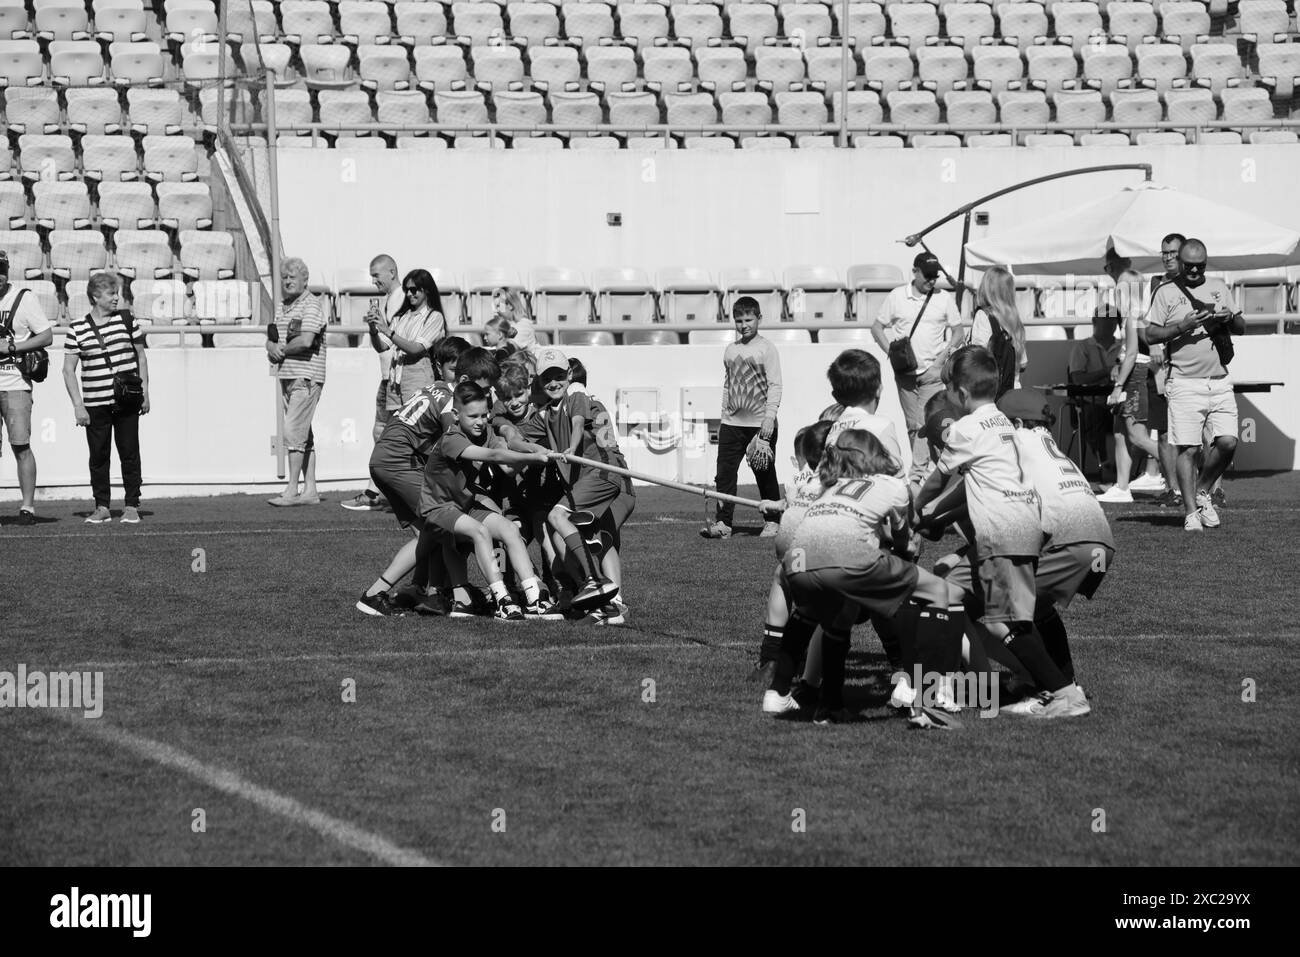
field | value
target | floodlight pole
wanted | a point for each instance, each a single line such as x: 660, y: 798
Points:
x: 966, y: 210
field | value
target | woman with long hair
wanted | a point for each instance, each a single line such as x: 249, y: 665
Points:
x: 1129, y: 398
x: 510, y: 306
x: 996, y: 300
x: 414, y: 331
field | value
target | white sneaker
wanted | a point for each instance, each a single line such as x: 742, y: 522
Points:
x: 1149, y: 483
x: 1192, y: 523
x: 945, y: 698
x: 1069, y: 702
x: 775, y: 703
x: 903, y: 694
x: 1026, y: 705
x: 769, y: 530
x: 1205, y: 508
x: 1116, y: 496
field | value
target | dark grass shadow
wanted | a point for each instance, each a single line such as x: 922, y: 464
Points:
x: 114, y: 513
x: 12, y: 520
x: 1168, y: 519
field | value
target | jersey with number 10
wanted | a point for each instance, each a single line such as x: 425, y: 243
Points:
x: 842, y: 526
x: 1002, y: 505
x: 413, y: 429
x: 1070, y: 512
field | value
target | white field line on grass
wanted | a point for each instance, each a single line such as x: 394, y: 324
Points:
x: 273, y: 802
x: 387, y: 529
x: 407, y: 655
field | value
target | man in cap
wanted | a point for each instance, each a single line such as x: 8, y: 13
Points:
x: 23, y: 327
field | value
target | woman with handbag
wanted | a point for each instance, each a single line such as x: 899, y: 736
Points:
x: 110, y: 393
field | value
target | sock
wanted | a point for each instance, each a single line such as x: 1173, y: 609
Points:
x: 771, y: 646
x: 532, y: 591
x: 499, y: 589
x: 381, y: 584
x: 887, y: 631
x: 1050, y: 627
x: 1028, y: 647
x: 835, y: 652
x: 932, y: 634
x: 952, y: 639
x: 904, y: 624
x: 794, y: 643
x: 812, y: 665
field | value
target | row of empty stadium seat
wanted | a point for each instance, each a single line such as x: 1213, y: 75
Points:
x: 143, y: 253
x: 153, y: 300
x: 51, y: 204
x: 56, y: 156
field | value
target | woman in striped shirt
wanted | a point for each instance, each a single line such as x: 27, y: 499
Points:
x: 414, y: 331
x: 103, y: 343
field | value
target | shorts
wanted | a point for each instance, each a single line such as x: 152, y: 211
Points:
x: 1157, y: 409
x: 16, y: 412
x: 1136, y: 404
x: 593, y: 492
x: 383, y: 414
x: 298, y: 399
x: 1200, y: 405
x: 878, y: 588
x: 401, y: 489
x: 444, y: 515
x: 1071, y: 570
x: 1006, y: 588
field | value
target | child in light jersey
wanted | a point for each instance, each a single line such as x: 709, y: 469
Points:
x: 855, y: 386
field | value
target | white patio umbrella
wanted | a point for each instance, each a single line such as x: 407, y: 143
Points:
x: 1133, y: 221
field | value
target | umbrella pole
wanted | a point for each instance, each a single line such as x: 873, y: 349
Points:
x: 961, y: 264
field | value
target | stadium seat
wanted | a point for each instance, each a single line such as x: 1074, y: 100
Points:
x: 61, y: 205
x: 523, y: 141
x: 998, y: 68
x: 608, y: 68
x: 753, y: 281
x: 866, y: 22
x: 800, y: 109
x: 651, y: 337
x: 75, y: 254
x: 26, y: 261
x: 887, y: 69
x: 185, y: 206
x: 697, y: 23
x: 1130, y: 22
x: 1246, y: 105
x: 136, y: 63
x: 246, y: 21
x: 642, y: 23
x: 1105, y: 139
x: 1079, y: 107
x: 344, y: 108
x: 576, y: 110
x: 1076, y: 23
x: 1191, y: 106
x: 326, y: 66
x: 941, y: 69
x: 1107, y: 67
x: 862, y: 106
x: 21, y: 63
x: 46, y: 296
x: 560, y: 295
x: 292, y: 108
x: 13, y: 205
x: 754, y: 22
x: 477, y: 23
x: 128, y: 205
x: 690, y: 109
x: 1135, y: 106
x: 779, y: 68
x: 477, y: 141
x: 31, y: 109
x: 911, y: 23
x: 1050, y: 140
x: 534, y: 22
x: 440, y: 68
x: 764, y: 142
x: 720, y: 68
x: 1264, y: 21
x: 713, y: 337
x: 970, y: 108
x: 463, y: 107
x: 43, y: 156
x: 713, y: 143
x: 143, y: 254
x: 1022, y: 23
x: 201, y: 63
x: 1159, y: 138
x: 1216, y: 66
x: 1261, y: 294
x: 76, y: 63
x: 689, y: 295
x: 169, y: 158
x: 823, y: 67
x: 1051, y: 69
x: 868, y: 286
x: 968, y: 24
x: 496, y: 68
x: 383, y: 68
x: 586, y: 143
x: 805, y: 23
x: 633, y: 110
x: 587, y: 23
x: 519, y: 109
x: 1273, y: 137
x: 666, y: 67
x: 745, y: 109
x: 1161, y: 67
x: 624, y: 295
x: 398, y: 109
x: 307, y: 22
x: 815, y: 293
x: 364, y: 24
x: 13, y: 19
x: 1219, y: 138
x: 109, y: 158
x: 422, y: 143
x: 989, y: 140
x: 67, y: 21
x: 1024, y: 108
x: 96, y: 110
x: 259, y: 57
x: 419, y: 21
x: 554, y: 69
x: 1184, y: 22
x: 1279, y: 69
x: 207, y: 255
x: 150, y: 111
x: 912, y: 107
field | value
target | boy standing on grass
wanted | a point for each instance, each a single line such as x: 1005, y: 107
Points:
x: 751, y: 395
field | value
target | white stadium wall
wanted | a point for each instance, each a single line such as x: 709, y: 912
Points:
x: 214, y: 412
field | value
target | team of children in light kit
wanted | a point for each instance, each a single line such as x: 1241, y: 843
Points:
x: 480, y: 462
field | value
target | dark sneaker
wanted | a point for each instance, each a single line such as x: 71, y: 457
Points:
x: 380, y: 606
x: 716, y: 530
x: 508, y: 610
x: 460, y: 609
x: 614, y: 613
x: 414, y: 599
x: 593, y: 594
x: 26, y: 516
x: 484, y: 605
x: 543, y: 610
x: 365, y: 502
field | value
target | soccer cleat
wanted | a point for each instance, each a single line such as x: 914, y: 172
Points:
x: 26, y: 516
x: 1116, y: 496
x: 716, y: 530
x: 379, y: 606
x: 1192, y: 523
x: 769, y: 530
x: 365, y: 502
x: 927, y: 719
x: 903, y: 694
x: 1205, y: 509
x: 543, y: 610
x: 614, y: 613
x: 762, y: 672
x: 1024, y: 706
x: 1067, y: 703
x: 508, y: 610
x: 775, y: 703
x: 592, y: 595
x: 1149, y: 483
x: 825, y: 716
x: 99, y: 516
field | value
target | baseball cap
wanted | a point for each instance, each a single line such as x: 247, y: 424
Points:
x: 1025, y: 404
x: 928, y: 263
x: 552, y: 359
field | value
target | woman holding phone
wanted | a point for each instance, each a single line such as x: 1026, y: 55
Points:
x: 414, y: 331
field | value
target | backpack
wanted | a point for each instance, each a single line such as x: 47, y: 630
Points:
x: 1004, y: 354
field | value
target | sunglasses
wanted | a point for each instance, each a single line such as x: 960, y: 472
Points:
x: 1169, y: 254
x: 411, y: 289
x: 1193, y: 267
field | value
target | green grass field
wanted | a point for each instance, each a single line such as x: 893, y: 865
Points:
x: 223, y: 691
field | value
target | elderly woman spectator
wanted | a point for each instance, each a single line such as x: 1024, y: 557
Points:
x: 414, y: 331
x: 110, y: 393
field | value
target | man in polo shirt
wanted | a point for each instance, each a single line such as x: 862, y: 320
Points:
x: 21, y: 330
x: 296, y: 347
x: 937, y: 335
x: 1198, y: 389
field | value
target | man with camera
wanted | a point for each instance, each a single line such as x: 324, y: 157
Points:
x: 23, y: 330
x: 918, y: 327
x: 1195, y: 317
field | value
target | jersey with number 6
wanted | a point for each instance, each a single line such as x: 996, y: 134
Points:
x: 1002, y: 505
x: 413, y: 430
x: 843, y: 525
x: 1070, y: 512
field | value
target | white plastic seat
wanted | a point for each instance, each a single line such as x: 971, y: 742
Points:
x: 779, y: 68
x: 25, y: 256
x: 886, y: 69
x: 477, y: 22
x: 866, y: 21
x: 941, y: 69
x: 61, y: 205
x: 154, y: 111
x: 822, y: 65
x: 364, y: 24
x: 971, y: 22
x: 1079, y: 107
x: 720, y: 66
x: 170, y: 158
x: 1107, y: 67
x: 624, y: 295
x: 745, y: 109
x: 292, y: 108
x: 1160, y: 138
x: 207, y: 255
x: 418, y: 21
x: 143, y: 254
x: 227, y: 301
x: 814, y: 293
x: 519, y: 109
x: 440, y: 68
x: 1263, y: 20
x: 576, y: 110
x: 553, y: 68
x: 642, y: 23
x: 1279, y: 68
x: 46, y: 156
x: 667, y: 66
x: 1023, y: 22
x: 970, y: 108
x: 271, y: 57
x: 499, y: 67
x: 397, y: 109
x: 127, y: 205
x: 1216, y: 66
x: 592, y: 143
x: 800, y: 109
x: 75, y: 254
x: 136, y: 63
x: 1051, y: 68
x: 689, y: 294
x: 1194, y: 106
x: 327, y: 66
x: 690, y: 109
x: 765, y: 143
x: 868, y: 285
x: 1183, y: 22
x: 530, y: 144
x: 1161, y: 67
x: 1079, y: 21
x: 560, y: 295
x: 185, y: 205
x: 534, y: 22
x: 109, y: 158
x: 1135, y: 106
x: 998, y: 68
x: 383, y: 67
x: 862, y: 106
x: 610, y: 67
x: 912, y: 107
x: 31, y: 109
x: 753, y: 281
x: 912, y: 23
x: 67, y: 21
x: 76, y: 62
x: 21, y: 63
x: 696, y: 22
x: 632, y: 109
x: 13, y: 205
x: 1130, y: 22
x: 201, y: 63
x: 190, y: 21
x: 344, y: 108
x: 755, y: 22
x: 466, y: 106
x: 307, y: 22
x: 711, y: 143
x: 246, y: 20
x: 805, y: 23
x: 1246, y: 104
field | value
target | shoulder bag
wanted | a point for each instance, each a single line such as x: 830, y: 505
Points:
x: 34, y: 364
x: 128, y: 387
x: 901, y: 354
